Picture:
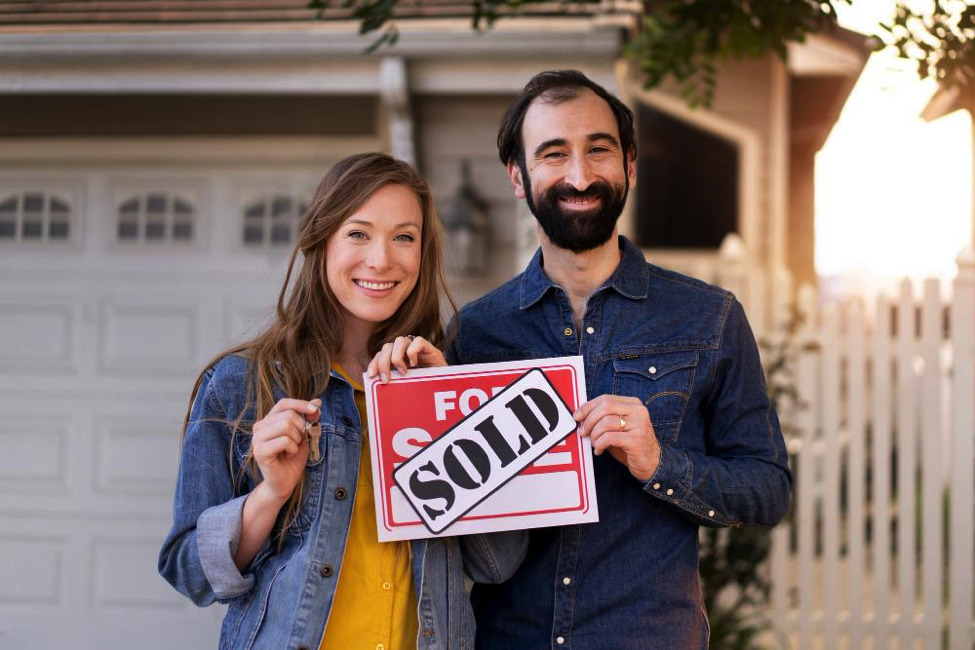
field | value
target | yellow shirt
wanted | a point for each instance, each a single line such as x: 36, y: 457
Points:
x: 374, y: 607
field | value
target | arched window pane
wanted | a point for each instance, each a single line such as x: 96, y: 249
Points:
x: 156, y: 218
x: 271, y: 221
x: 34, y: 217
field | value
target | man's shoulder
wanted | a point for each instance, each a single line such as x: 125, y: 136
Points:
x: 504, y: 299
x: 671, y: 282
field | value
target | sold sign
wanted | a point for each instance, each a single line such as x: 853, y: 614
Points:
x: 491, y: 443
x: 485, y: 450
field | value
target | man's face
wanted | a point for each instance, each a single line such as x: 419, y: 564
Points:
x: 575, y: 177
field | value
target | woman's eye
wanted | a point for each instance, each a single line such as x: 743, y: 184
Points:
x: 356, y: 234
x: 406, y: 238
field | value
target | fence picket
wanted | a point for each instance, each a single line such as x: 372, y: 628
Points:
x: 880, y: 431
x: 931, y: 465
x: 806, y: 369
x: 906, y: 464
x: 961, y: 576
x: 856, y: 477
x: 830, y: 387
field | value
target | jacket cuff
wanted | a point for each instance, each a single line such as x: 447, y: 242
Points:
x: 217, y: 538
x: 671, y: 484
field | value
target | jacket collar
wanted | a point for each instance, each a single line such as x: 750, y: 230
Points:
x: 631, y: 278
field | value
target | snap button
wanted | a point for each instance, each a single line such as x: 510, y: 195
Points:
x: 326, y: 571
x: 653, y: 370
x: 560, y: 640
x: 710, y: 513
x: 591, y: 330
x: 346, y: 420
x: 386, y: 585
x: 428, y: 633
x: 566, y: 580
x: 340, y: 493
x: 656, y: 486
x: 670, y: 491
x: 567, y: 331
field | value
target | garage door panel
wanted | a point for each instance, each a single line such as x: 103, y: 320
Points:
x: 37, y: 337
x: 149, y: 337
x: 32, y: 571
x: 124, y: 576
x: 136, y: 456
x: 35, y: 455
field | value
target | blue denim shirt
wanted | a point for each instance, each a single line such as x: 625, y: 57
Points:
x: 685, y: 349
x: 282, y: 599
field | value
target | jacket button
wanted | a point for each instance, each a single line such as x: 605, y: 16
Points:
x: 346, y: 420
x: 340, y: 493
x: 428, y: 633
x: 326, y: 571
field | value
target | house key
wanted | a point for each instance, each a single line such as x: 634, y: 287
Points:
x: 314, y: 432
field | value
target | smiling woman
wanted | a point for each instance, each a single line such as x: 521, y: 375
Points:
x: 288, y: 413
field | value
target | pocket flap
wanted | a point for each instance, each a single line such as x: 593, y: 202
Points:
x: 655, y: 366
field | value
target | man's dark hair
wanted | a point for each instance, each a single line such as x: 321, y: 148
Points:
x: 558, y: 86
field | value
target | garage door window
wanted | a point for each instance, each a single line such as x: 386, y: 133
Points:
x: 156, y: 218
x: 272, y: 221
x: 34, y: 217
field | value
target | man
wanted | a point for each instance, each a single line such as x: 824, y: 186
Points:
x: 677, y: 393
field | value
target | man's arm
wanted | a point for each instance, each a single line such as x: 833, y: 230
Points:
x: 743, y: 477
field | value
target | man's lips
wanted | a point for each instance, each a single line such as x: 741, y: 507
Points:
x: 580, y: 204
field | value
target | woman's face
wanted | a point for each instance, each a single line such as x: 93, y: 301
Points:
x: 373, y: 260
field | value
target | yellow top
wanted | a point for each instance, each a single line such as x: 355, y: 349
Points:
x: 374, y: 607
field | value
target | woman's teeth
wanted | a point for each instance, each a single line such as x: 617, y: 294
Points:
x: 375, y: 286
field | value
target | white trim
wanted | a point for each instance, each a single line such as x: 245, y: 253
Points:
x: 778, y: 169
x: 822, y: 55
x: 750, y: 155
x: 187, y: 150
x: 395, y: 93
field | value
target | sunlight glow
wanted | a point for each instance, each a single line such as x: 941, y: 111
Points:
x: 893, y: 192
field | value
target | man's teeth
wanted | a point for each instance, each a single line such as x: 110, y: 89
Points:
x: 375, y: 286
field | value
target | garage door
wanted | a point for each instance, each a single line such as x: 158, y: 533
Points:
x: 117, y: 282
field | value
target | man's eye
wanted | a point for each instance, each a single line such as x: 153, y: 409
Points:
x: 555, y: 154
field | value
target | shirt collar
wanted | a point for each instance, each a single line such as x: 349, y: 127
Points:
x: 630, y: 279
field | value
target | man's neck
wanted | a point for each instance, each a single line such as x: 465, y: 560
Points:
x: 580, y: 274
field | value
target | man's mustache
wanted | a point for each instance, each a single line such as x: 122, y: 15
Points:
x: 597, y: 190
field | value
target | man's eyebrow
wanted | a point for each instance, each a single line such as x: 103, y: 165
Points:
x: 555, y: 142
x: 593, y: 137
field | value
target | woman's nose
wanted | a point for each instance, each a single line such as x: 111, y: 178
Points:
x: 378, y: 256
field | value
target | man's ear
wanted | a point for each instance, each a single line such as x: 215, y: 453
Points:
x: 514, y: 175
x: 631, y: 168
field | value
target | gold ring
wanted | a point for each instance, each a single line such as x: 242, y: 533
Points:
x: 622, y: 423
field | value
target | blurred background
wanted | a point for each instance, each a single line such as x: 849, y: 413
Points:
x: 156, y: 157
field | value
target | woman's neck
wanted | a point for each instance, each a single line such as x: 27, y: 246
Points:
x: 354, y: 354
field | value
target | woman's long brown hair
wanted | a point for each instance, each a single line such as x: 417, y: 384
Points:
x: 296, y: 351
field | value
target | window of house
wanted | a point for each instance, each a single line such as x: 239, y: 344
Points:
x: 156, y: 217
x: 272, y: 221
x: 687, y: 184
x: 35, y: 217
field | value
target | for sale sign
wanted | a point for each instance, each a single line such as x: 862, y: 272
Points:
x: 479, y: 448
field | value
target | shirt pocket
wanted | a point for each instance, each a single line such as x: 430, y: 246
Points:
x: 662, y: 381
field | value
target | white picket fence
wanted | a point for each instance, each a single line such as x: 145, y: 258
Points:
x: 878, y: 549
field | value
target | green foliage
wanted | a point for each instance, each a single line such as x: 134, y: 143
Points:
x: 686, y: 39
x: 940, y: 41
x: 683, y: 39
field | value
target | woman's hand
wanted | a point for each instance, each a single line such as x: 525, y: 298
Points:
x: 281, y: 446
x: 403, y: 353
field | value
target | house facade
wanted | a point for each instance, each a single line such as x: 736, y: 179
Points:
x: 155, y: 159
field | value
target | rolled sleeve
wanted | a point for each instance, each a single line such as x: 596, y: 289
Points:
x: 217, y: 538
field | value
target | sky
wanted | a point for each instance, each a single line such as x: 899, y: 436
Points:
x: 893, y: 192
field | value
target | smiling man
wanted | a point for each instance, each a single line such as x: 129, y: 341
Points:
x: 684, y: 433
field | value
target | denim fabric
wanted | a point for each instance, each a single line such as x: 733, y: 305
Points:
x: 684, y: 348
x: 283, y: 598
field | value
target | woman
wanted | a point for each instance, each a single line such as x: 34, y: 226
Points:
x: 278, y: 522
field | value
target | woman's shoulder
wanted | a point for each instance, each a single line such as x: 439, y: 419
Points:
x: 227, y: 377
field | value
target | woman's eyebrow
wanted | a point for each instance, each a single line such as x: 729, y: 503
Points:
x: 404, y: 224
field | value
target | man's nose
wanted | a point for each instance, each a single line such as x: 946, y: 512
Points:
x: 579, y: 174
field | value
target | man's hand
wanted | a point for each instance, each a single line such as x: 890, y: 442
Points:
x: 622, y: 426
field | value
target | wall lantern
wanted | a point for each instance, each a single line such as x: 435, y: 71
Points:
x: 466, y: 223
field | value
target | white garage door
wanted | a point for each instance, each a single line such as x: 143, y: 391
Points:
x: 117, y: 282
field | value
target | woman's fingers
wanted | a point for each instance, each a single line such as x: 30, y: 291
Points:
x: 299, y: 405
x: 274, y: 447
x: 398, y: 357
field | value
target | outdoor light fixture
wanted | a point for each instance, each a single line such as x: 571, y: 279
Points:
x: 466, y: 224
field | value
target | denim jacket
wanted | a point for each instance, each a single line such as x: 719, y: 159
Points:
x: 283, y: 598
x: 685, y: 350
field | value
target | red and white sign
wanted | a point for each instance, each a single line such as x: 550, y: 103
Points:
x: 410, y: 412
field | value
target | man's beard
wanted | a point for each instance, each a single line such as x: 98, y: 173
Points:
x: 577, y: 231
